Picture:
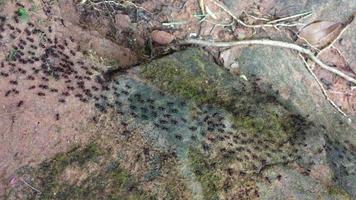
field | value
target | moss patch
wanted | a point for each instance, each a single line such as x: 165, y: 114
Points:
x: 189, y: 74
x: 176, y: 80
x: 103, y: 178
x: 206, y: 174
x: 174, y: 187
x: 23, y: 14
x: 337, y: 192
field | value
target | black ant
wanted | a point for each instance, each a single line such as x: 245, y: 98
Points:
x: 15, y: 91
x: 13, y: 82
x: 163, y: 121
x: 279, y: 177
x: 65, y: 93
x: 193, y: 128
x: 43, y: 86
x: 78, y: 95
x: 124, y: 92
x: 4, y: 74
x: 30, y: 39
x: 20, y: 103
x: 10, y: 26
x: 86, y: 100
x: 7, y: 93
x: 179, y: 137
x: 32, y: 87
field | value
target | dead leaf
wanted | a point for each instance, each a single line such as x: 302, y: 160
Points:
x: 320, y: 33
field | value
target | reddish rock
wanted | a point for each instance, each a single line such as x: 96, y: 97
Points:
x: 162, y: 37
x: 122, y: 21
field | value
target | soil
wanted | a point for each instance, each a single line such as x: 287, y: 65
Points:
x: 37, y: 123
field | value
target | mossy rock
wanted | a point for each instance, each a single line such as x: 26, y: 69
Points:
x: 191, y: 75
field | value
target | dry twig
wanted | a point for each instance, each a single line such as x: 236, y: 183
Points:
x: 272, y: 24
x: 107, y: 3
x: 322, y: 87
x: 202, y: 6
x: 275, y: 43
x: 30, y: 186
x: 303, y: 15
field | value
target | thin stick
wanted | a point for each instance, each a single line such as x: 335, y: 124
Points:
x: 30, y: 186
x: 232, y: 14
x: 342, y: 55
x: 222, y: 6
x: 305, y: 14
x: 272, y: 43
x: 322, y: 87
x: 342, y: 93
x: 202, y: 6
x: 255, y: 17
x: 175, y: 23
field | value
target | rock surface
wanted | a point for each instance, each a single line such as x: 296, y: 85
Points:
x: 181, y: 126
x: 340, y: 55
x: 298, y: 91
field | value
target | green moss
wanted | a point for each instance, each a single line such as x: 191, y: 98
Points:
x: 197, y: 80
x: 12, y: 55
x: 76, y: 156
x: 270, y: 127
x: 23, y: 14
x: 175, y: 187
x: 111, y: 63
x: 190, y: 75
x: 206, y: 174
x: 51, y: 170
x: 105, y: 180
x: 338, y: 192
x: 122, y: 179
x: 176, y: 80
x: 123, y: 185
x: 112, y: 184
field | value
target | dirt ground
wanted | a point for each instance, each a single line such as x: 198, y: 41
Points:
x: 43, y: 109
